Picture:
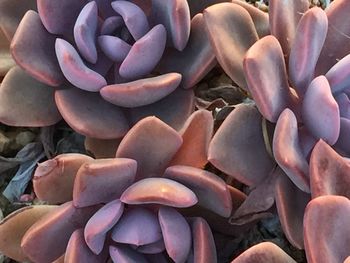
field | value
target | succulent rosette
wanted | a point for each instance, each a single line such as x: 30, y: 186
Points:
x: 127, y: 208
x: 102, y: 65
x: 294, y: 61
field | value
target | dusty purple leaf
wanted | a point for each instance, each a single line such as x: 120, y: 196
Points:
x: 126, y: 254
x: 111, y: 24
x: 342, y: 145
x: 114, y: 48
x: 339, y: 75
x: 343, y: 102
x: 153, y: 248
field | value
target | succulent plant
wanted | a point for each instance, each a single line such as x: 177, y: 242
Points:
x: 102, y: 65
x: 297, y: 75
x: 127, y: 208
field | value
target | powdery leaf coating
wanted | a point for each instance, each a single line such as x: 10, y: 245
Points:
x: 343, y: 144
x: 324, y: 240
x: 320, y: 111
x: 152, y: 144
x: 111, y: 24
x: 159, y: 191
x: 287, y: 151
x: 58, y: 175
x: 107, y: 177
x: 343, y: 102
x: 124, y: 254
x: 75, y: 70
x: 176, y: 233
x: 231, y: 33
x: 306, y: 48
x: 238, y: 144
x: 211, y: 190
x: 339, y: 75
x: 284, y: 16
x: 267, y: 77
x: 291, y: 203
x: 329, y: 172
x: 90, y: 115
x: 174, y: 15
x: 36, y: 54
x: 114, y: 48
x: 264, y: 252
x: 52, y: 232
x: 137, y: 226
x: 34, y: 101
x: 153, y: 248
x: 141, y: 92
x: 100, y: 223
x: 15, y: 225
x: 196, y: 134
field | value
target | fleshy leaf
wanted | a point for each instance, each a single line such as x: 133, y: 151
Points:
x: 343, y: 144
x: 33, y: 100
x: 339, y: 75
x: 320, y: 111
x: 111, y: 24
x: 58, y: 175
x: 159, y: 191
x: 176, y: 233
x: 344, y: 105
x: 152, y: 144
x: 175, y: 16
x: 101, y: 148
x: 36, y: 54
x: 231, y: 33
x: 238, y: 144
x: 141, y: 92
x: 6, y: 60
x: 126, y: 254
x: 107, y: 177
x: 90, y: 115
x: 114, y: 48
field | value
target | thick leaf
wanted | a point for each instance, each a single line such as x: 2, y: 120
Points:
x: 101, y: 148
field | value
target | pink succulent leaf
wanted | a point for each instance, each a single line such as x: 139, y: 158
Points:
x: 291, y: 203
x: 137, y: 226
x: 267, y: 77
x: 260, y: 18
x: 108, y: 177
x: 58, y: 175
x: 145, y: 53
x: 306, y: 48
x: 339, y: 75
x: 259, y: 200
x: 11, y: 13
x: 284, y: 17
x: 306, y: 141
x: 74, y: 68
x: 29, y: 53
x: 196, y: 134
x: 14, y: 226
x: 59, y: 17
x: 52, y: 232
x: 152, y: 143
x: 90, y: 115
x: 238, y: 144
x: 198, y: 50
x: 141, y: 92
x: 36, y: 110
x: 125, y: 254
x: 85, y: 30
x: 159, y: 191
x: 101, y: 148
x: 78, y: 251
x: 320, y: 111
x: 342, y: 145
x: 231, y: 41
x: 174, y: 109
x: 328, y: 172
x: 264, y: 252
x: 287, y: 150
x: 199, y: 6
x: 334, y: 48
x: 324, y: 215
x: 344, y: 105
x: 176, y: 233
x: 111, y: 24
x: 100, y: 223
x: 134, y: 18
x: 153, y: 248
x: 114, y: 48
x: 175, y: 16
x: 6, y: 60
x: 204, y: 249
x: 211, y: 191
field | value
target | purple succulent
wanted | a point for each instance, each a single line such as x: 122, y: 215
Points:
x: 102, y: 65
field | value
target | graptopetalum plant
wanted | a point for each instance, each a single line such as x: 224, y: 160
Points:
x: 101, y: 65
x: 298, y: 75
x: 126, y: 208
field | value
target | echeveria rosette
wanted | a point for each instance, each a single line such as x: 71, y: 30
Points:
x: 101, y: 62
x: 298, y: 78
x: 127, y: 207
